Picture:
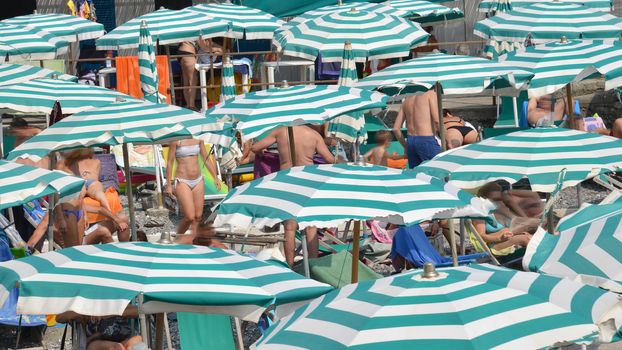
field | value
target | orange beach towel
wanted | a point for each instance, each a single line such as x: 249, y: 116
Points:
x: 128, y: 76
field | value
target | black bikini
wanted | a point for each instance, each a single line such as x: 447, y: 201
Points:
x: 464, y: 130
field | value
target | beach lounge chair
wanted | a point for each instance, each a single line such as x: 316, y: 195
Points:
x: 524, y: 123
x: 336, y: 269
x: 506, y: 117
x: 204, y: 331
x: 413, y: 245
x: 505, y: 257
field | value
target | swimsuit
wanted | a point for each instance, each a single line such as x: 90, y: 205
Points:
x: 187, y: 151
x: 191, y: 183
x: 77, y: 213
x: 464, y: 130
x: 420, y: 149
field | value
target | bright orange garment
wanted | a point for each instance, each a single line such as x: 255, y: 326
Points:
x: 113, y: 201
x: 128, y: 76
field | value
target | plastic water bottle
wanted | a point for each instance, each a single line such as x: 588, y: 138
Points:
x: 109, y: 59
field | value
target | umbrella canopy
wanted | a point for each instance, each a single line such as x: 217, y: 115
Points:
x: 456, y: 74
x: 373, y: 36
x: 227, y: 82
x: 167, y: 26
x: 20, y: 184
x: 147, y: 67
x: 27, y: 43
x: 494, y: 49
x: 351, y: 127
x: 327, y: 195
x: 14, y: 73
x: 425, y: 11
x: 247, y: 23
x: 39, y: 96
x: 99, y: 280
x: 507, y: 5
x: 539, y: 154
x: 66, y: 27
x: 470, y: 307
x: 559, y: 63
x: 543, y: 22
x: 261, y: 111
x: 588, y: 247
x: 117, y: 123
x: 360, y: 6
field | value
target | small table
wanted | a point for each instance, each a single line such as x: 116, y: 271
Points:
x: 104, y: 73
x: 203, y: 68
x: 307, y: 68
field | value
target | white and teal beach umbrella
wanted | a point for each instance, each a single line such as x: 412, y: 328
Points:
x: 588, y: 247
x: 166, y: 27
x: 227, y: 81
x: 39, y: 96
x: 20, y: 43
x: 66, y: 27
x: 559, y: 63
x: 539, y: 155
x: 507, y: 5
x: 261, y: 111
x: 130, y: 121
x: 349, y: 127
x: 341, y: 7
x: 327, y: 195
x: 100, y: 280
x: 549, y: 21
x: 13, y: 73
x: 456, y: 74
x: 373, y: 36
x: 476, y: 307
x: 423, y: 11
x: 493, y: 48
x: 247, y: 23
x: 20, y: 184
x: 147, y: 67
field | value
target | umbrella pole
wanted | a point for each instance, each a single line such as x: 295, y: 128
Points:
x: 158, y: 172
x: 128, y: 191
x: 170, y: 73
x: 51, y: 205
x: 356, y: 236
x: 452, y: 242
x: 462, y: 237
x: 144, y: 331
x: 292, y: 145
x: 441, y: 127
x: 305, y: 253
x: 159, y: 324
x: 569, y: 106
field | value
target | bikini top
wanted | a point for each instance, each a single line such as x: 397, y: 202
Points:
x: 187, y: 151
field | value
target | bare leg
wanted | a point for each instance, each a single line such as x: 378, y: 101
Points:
x: 198, y: 194
x: 290, y: 240
x: 470, y: 138
x: 186, y: 203
x: 189, y: 76
x: 312, y: 241
x: 96, y: 191
x: 101, y: 235
x: 616, y: 129
x: 104, y: 345
x: 124, y: 236
x: 454, y: 138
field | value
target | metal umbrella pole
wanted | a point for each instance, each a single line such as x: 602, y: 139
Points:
x: 128, y: 191
x: 356, y: 237
x: 441, y: 128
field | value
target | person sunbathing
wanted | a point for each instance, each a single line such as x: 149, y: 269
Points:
x: 104, y: 333
x: 512, y: 203
x: 545, y: 109
x: 457, y: 131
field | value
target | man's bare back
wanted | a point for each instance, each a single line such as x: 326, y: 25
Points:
x: 307, y: 142
x: 418, y: 111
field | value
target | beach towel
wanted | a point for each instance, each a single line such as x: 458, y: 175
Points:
x: 266, y: 163
x: 203, y: 331
x: 128, y: 76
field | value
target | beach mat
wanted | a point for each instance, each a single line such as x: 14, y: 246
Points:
x: 204, y: 331
x: 336, y: 269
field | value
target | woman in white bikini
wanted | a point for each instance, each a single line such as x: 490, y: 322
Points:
x: 189, y: 182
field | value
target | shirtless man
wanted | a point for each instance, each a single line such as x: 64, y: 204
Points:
x: 419, y: 111
x: 307, y: 142
x: 541, y: 107
x: 22, y: 131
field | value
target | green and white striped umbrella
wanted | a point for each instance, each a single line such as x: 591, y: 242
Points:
x: 261, y: 111
x: 21, y: 43
x: 477, y: 307
x: 167, y: 27
x: 121, y: 122
x: 66, y: 27
x: 588, y: 247
x: 227, y: 82
x: 494, y: 49
x: 539, y: 154
x: 559, y: 63
x: 99, y: 280
x: 20, y: 184
x: 348, y: 127
x: 39, y: 96
x: 544, y: 22
x: 373, y: 36
x: 507, y: 5
x: 423, y: 11
x: 327, y: 195
x: 147, y: 67
x: 360, y: 6
x: 14, y: 73
x: 247, y: 23
x: 456, y: 74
